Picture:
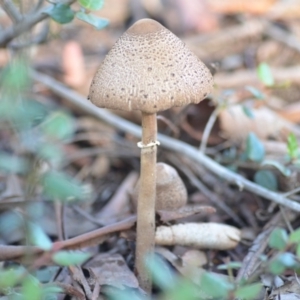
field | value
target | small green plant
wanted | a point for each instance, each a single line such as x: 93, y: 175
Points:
x: 291, y: 160
x: 213, y: 286
x: 63, y: 13
x: 287, y: 257
x: 292, y: 147
x: 265, y: 74
x: 255, y: 150
x: 36, y: 156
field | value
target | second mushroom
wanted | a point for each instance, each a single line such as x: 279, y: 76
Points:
x: 149, y: 69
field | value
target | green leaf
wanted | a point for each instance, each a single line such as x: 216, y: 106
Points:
x: 15, y: 77
x: 280, y: 167
x: 13, y: 164
x: 292, y: 146
x: 31, y: 289
x: 38, y: 237
x: 215, y: 286
x: 282, y: 262
x: 61, y: 13
x: 69, y: 258
x: 46, y: 274
x: 50, y: 291
x: 98, y: 23
x: 255, y: 92
x: 248, y: 292
x: 62, y: 187
x: 254, y: 148
x: 248, y: 112
x: 92, y: 4
x: 266, y: 179
x: 59, y: 125
x: 51, y: 153
x: 265, y: 74
x: 278, y: 239
x: 9, y: 278
x: 10, y: 222
x: 298, y: 250
x: 276, y: 267
x: 23, y: 114
x: 287, y: 259
x: 294, y: 237
x: 124, y: 294
x: 184, y: 289
x: 161, y: 273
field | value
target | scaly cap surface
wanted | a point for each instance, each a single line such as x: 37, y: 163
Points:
x: 149, y: 69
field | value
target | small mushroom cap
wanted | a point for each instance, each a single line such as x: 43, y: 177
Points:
x: 149, y: 69
x: 171, y: 192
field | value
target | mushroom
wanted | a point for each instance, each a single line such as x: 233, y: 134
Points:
x: 148, y: 69
x: 199, y: 235
x: 171, y: 192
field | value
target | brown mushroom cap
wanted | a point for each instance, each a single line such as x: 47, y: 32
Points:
x: 171, y: 192
x: 149, y: 69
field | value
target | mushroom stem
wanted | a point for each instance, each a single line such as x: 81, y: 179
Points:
x: 146, y: 200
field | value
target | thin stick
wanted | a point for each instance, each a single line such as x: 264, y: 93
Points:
x: 10, y: 8
x: 146, y: 201
x: 16, y: 30
x: 283, y: 36
x: 166, y: 142
x: 292, y: 192
x: 207, y: 130
x: 91, y: 238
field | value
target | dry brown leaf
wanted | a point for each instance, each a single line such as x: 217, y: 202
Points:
x: 111, y: 269
x: 197, y: 15
x: 285, y: 10
x: 182, y: 265
x: 119, y: 203
x: 268, y: 51
x: 97, y: 133
x: 275, y: 148
x: 291, y: 112
x: 100, y: 166
x: 288, y: 290
x: 4, y: 57
x: 199, y: 235
x: 236, y: 125
x: 73, y: 64
x: 241, y: 6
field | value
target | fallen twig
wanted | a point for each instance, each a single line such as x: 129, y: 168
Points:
x: 234, y: 39
x: 84, y: 240
x: 250, y: 77
x: 166, y: 142
x: 283, y: 36
x: 11, y: 10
